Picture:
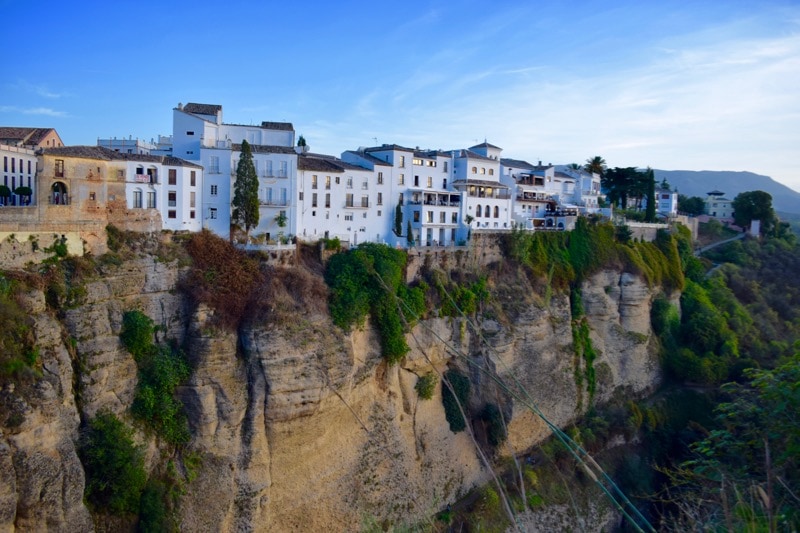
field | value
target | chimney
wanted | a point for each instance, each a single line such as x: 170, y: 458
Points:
x: 180, y: 106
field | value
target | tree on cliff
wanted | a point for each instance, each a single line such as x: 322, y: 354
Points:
x: 754, y: 205
x: 245, y: 191
x: 692, y: 205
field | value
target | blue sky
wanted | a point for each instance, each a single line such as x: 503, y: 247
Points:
x: 673, y: 85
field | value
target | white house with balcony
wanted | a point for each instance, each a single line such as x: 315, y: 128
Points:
x: 200, y: 135
x: 530, y: 197
x: 167, y: 184
x: 338, y: 199
x: 486, y: 200
x: 585, y: 188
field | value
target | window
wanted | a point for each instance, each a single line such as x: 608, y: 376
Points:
x: 496, y: 212
x: 192, y: 199
x: 416, y: 216
x: 380, y: 198
x: 192, y: 179
x: 478, y: 211
x: 487, y: 211
x: 491, y: 172
x: 151, y: 200
x: 213, y: 190
x: 380, y: 178
x: 349, y: 182
x: 327, y: 182
x: 428, y: 216
x: 213, y: 164
x: 120, y: 174
x: 417, y: 161
x: 430, y: 182
x: 300, y: 196
x: 430, y: 163
x: 13, y: 165
x: 171, y: 214
x: 348, y: 201
x: 284, y: 169
x: 663, y: 196
x: 442, y: 217
x: 5, y: 163
x: 401, y: 179
x: 137, y: 199
x: 92, y: 196
x: 474, y: 170
x: 364, y: 184
x: 314, y: 200
x: 173, y: 177
x: 268, y: 170
x: 212, y: 213
x: 444, y: 183
x: 365, y: 201
x: 380, y: 212
x: 444, y: 166
x: 313, y: 181
x: 172, y: 198
x: 191, y: 213
x: 402, y: 161
x: 454, y: 218
x: 483, y: 170
x: 327, y: 200
x: 190, y: 133
x: 29, y: 167
x: 348, y: 217
x: 59, y: 168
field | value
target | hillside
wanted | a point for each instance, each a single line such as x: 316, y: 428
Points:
x: 698, y: 183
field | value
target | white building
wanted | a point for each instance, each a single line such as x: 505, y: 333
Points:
x: 531, y: 200
x: 667, y: 202
x: 170, y: 185
x: 128, y: 146
x: 19, y: 170
x: 718, y: 206
x: 200, y: 135
x: 486, y: 200
x: 585, y: 188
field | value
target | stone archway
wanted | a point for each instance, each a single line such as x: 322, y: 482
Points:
x: 58, y: 194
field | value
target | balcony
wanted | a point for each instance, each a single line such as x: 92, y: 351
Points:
x: 271, y: 202
x: 363, y: 204
x: 533, y: 197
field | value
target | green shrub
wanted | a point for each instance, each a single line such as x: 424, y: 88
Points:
x: 425, y: 386
x: 154, y: 516
x: 137, y: 333
x: 461, y: 387
x: 18, y: 353
x: 493, y: 421
x: 114, y: 465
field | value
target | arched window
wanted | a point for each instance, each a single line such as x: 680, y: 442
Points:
x: 474, y: 170
x: 496, y: 212
x: 487, y: 212
x: 491, y: 172
x: 58, y: 194
x: 478, y: 211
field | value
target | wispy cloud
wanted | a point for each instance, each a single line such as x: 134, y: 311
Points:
x: 45, y: 111
x: 38, y: 89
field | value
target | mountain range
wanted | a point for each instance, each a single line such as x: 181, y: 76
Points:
x: 699, y: 183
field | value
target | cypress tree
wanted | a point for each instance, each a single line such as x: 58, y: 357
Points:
x: 245, y: 191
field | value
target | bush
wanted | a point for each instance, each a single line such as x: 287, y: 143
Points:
x: 493, y: 420
x: 18, y: 355
x: 137, y: 333
x: 425, y: 386
x: 452, y: 413
x: 114, y: 465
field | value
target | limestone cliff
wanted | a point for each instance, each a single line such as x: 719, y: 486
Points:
x: 298, y: 425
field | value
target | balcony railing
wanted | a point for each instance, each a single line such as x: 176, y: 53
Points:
x: 363, y: 204
x: 533, y: 197
x: 274, y: 202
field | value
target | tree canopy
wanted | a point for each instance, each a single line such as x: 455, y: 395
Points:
x: 596, y: 164
x: 622, y: 184
x: 691, y: 205
x: 754, y: 205
x: 245, y: 191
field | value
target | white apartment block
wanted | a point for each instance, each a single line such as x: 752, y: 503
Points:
x: 486, y: 199
x: 167, y: 184
x: 200, y: 135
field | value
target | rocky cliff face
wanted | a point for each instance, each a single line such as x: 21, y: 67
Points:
x: 299, y: 426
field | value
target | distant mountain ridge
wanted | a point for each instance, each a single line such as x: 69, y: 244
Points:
x: 698, y: 183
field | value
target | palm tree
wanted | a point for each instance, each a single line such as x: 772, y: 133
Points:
x: 596, y: 165
x: 574, y: 166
